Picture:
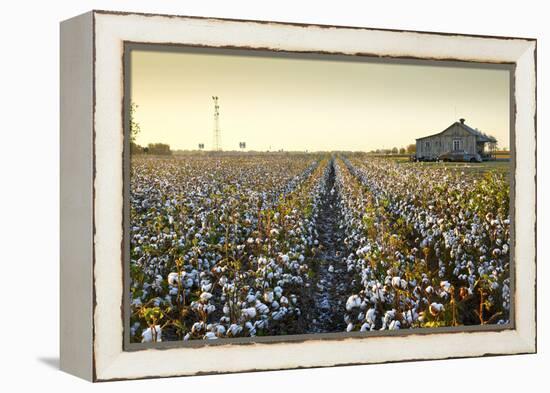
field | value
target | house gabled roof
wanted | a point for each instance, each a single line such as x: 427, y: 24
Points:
x: 481, y: 136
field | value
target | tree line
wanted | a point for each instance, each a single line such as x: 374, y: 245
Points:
x: 409, y: 149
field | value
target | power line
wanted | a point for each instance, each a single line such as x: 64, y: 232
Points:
x: 216, y: 144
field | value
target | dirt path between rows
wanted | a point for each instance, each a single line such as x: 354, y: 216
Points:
x: 329, y: 286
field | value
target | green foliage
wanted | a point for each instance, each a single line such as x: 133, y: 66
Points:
x: 135, y: 128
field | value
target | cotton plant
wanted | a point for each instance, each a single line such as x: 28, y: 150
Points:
x: 227, y: 246
x: 433, y: 250
x: 210, y: 237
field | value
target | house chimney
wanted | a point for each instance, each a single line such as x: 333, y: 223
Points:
x: 462, y: 121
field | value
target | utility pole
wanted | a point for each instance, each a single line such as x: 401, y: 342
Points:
x: 216, y: 145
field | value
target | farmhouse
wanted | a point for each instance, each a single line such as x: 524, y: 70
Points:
x: 458, y: 137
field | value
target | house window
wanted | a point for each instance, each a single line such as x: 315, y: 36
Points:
x: 456, y: 144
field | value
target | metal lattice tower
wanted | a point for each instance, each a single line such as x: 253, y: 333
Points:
x: 216, y: 143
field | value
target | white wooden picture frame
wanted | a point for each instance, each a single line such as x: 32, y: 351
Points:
x: 92, y: 198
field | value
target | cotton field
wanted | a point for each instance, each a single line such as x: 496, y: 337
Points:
x: 268, y: 244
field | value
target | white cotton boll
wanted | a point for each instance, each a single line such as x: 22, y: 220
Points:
x: 429, y: 289
x: 261, y: 324
x: 220, y: 330
x: 353, y: 302
x: 371, y: 316
x: 275, y: 305
x: 152, y: 335
x: 284, y: 301
x: 293, y: 299
x: 189, y: 283
x: 396, y: 282
x: 234, y: 330
x: 403, y: 284
x: 445, y: 285
x: 197, y: 327
x: 278, y: 315
x: 365, y: 327
x: 225, y: 319
x: 409, y: 316
x: 205, y: 296
x: 251, y: 298
x: 436, y: 308
x: 136, y: 326
x: 261, y: 307
x: 210, y: 336
x: 362, y: 251
x: 206, y: 287
x: 278, y: 291
x: 226, y: 309
x: 251, y: 328
x: 331, y: 269
x: 186, y: 337
x: 249, y: 312
x: 268, y: 297
x: 349, y: 328
x: 395, y: 325
x: 174, y: 278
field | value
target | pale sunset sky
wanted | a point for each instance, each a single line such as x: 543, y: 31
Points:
x: 287, y: 102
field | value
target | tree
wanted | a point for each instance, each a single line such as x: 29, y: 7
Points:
x: 135, y: 129
x: 394, y: 150
x: 411, y: 148
x: 159, y: 149
x: 402, y: 150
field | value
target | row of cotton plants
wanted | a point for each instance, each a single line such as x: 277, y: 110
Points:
x: 219, y: 245
x: 429, y: 246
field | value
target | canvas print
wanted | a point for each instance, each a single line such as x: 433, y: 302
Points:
x: 277, y: 194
